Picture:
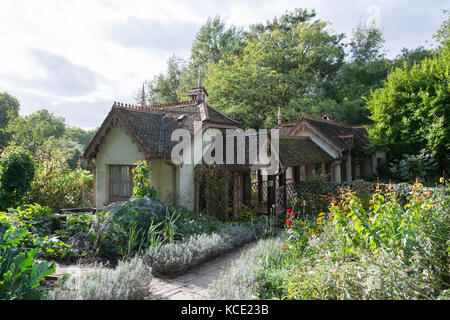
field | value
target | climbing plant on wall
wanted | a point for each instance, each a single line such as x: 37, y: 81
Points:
x: 213, y: 182
x: 142, y: 186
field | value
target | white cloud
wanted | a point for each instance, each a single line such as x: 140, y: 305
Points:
x: 73, y: 57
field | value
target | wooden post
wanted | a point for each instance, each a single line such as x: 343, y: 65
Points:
x: 246, y: 189
x: 271, y: 187
x: 260, y: 187
x: 94, y: 182
x: 283, y: 186
x: 296, y: 174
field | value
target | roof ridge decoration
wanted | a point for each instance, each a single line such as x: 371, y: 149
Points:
x: 155, y: 108
x: 293, y: 123
x: 306, y: 116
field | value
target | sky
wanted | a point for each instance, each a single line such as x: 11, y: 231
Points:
x: 75, y: 58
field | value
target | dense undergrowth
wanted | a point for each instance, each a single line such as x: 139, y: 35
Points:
x: 387, y: 247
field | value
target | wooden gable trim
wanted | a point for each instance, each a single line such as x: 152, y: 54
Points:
x: 112, y: 119
x: 304, y: 124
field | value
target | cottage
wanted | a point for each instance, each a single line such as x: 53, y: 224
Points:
x: 346, y: 145
x: 133, y: 133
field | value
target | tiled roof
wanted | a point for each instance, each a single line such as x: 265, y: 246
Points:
x: 151, y: 127
x: 296, y: 151
x: 342, y: 136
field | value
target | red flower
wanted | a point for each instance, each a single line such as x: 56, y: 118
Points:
x: 289, y: 223
x: 289, y: 211
x: 284, y: 246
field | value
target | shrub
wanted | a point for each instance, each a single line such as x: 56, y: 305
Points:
x: 40, y: 224
x: 137, y: 224
x: 56, y: 185
x: 174, y: 258
x: 388, y: 251
x: 422, y: 166
x: 17, y: 169
x: 141, y: 181
x: 247, y: 277
x: 130, y: 280
x: 20, y: 274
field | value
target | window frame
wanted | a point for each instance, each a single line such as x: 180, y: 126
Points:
x: 130, y: 172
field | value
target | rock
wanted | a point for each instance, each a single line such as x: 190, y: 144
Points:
x: 79, y: 242
x: 140, y: 211
x: 113, y: 207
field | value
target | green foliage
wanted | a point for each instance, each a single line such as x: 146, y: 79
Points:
x: 367, y: 45
x: 35, y: 218
x: 214, y: 41
x: 130, y: 280
x: 33, y: 130
x: 39, y: 222
x: 442, y: 35
x: 171, y: 259
x: 133, y: 228
x: 386, y: 248
x: 280, y: 66
x: 9, y: 110
x: 411, y: 111
x: 17, y: 169
x: 142, y: 186
x: 389, y: 251
x: 251, y: 276
x: 80, y: 136
x: 55, y: 184
x: 20, y: 274
x: 213, y: 182
x: 164, y: 87
x: 411, y: 167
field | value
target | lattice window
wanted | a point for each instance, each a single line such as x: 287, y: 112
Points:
x: 120, y: 182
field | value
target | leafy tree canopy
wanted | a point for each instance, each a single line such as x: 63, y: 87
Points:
x: 9, y: 109
x: 17, y: 169
x: 33, y: 130
x: 288, y: 63
x: 411, y: 112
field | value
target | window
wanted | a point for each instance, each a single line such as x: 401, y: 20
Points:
x: 120, y: 182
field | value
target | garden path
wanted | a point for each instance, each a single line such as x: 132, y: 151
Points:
x: 193, y: 285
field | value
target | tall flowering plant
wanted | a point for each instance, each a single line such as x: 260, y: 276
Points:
x: 298, y: 231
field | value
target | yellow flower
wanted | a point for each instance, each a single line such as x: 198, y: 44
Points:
x: 441, y: 179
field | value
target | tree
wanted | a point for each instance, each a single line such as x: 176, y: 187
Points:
x: 9, y: 109
x: 79, y: 135
x: 213, y: 41
x: 33, y: 130
x: 442, y: 35
x: 287, y: 63
x: 17, y: 169
x: 411, y: 112
x: 57, y: 185
x: 367, y: 45
x: 163, y: 88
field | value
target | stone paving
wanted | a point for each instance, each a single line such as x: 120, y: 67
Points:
x: 193, y: 285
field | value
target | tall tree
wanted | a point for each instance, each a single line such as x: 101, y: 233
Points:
x: 412, y: 111
x: 213, y: 41
x: 163, y: 87
x: 9, y: 109
x: 33, y: 130
x: 287, y: 63
x: 367, y: 45
x: 442, y: 35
